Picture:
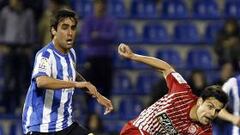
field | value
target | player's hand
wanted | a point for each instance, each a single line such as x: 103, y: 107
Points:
x: 236, y: 121
x: 125, y: 51
x: 105, y: 102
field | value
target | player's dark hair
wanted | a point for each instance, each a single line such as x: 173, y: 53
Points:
x: 216, y: 92
x: 60, y: 15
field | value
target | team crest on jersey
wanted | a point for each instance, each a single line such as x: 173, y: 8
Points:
x: 192, y: 129
x: 43, y: 64
x: 166, y: 123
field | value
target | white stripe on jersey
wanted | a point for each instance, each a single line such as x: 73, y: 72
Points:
x: 47, y: 109
x: 29, y: 112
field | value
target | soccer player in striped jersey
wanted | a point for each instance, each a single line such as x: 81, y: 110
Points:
x: 179, y: 112
x: 48, y: 104
x: 232, y: 88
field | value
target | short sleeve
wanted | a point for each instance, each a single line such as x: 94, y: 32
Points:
x: 42, y: 66
x: 176, y: 83
x: 227, y: 86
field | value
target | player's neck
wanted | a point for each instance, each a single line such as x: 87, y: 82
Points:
x: 59, y: 48
x: 193, y: 113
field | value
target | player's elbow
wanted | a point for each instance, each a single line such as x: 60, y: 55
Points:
x: 41, y: 82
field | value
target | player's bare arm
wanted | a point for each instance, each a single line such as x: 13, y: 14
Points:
x: 51, y: 83
x: 225, y: 115
x: 125, y: 51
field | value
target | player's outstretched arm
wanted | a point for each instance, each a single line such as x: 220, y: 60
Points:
x: 125, y: 51
x: 225, y: 115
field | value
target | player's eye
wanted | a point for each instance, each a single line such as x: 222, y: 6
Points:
x: 64, y: 26
x: 210, y: 107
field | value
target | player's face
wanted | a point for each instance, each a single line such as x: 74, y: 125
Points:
x: 208, y: 110
x: 65, y: 34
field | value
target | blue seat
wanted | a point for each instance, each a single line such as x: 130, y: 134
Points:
x: 205, y: 9
x: 120, y: 62
x: 145, y: 82
x: 122, y: 84
x: 155, y: 33
x: 117, y: 9
x: 186, y: 33
x: 127, y: 33
x: 143, y: 9
x: 199, y: 59
x: 82, y: 7
x: 211, y: 32
x: 174, y: 9
x: 130, y: 108
x: 171, y: 56
x: 232, y: 9
x: 137, y: 65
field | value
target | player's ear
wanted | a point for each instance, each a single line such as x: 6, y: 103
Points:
x: 199, y: 101
x: 53, y: 31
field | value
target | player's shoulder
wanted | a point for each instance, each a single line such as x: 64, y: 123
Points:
x: 45, y: 51
x: 177, y: 76
x: 232, y: 80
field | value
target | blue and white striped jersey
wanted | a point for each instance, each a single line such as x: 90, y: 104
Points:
x: 232, y: 88
x: 47, y: 110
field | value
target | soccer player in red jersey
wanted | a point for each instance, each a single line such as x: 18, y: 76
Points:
x: 179, y: 112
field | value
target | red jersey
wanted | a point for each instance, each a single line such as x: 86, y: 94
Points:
x: 170, y: 114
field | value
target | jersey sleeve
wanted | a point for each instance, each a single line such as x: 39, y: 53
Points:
x: 227, y: 86
x: 42, y: 65
x: 176, y: 83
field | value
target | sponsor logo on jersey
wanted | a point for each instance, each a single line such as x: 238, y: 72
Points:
x: 166, y: 123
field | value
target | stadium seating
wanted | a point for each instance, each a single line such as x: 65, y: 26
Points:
x: 117, y: 9
x: 186, y: 33
x: 174, y: 9
x: 120, y: 62
x: 127, y: 33
x: 143, y: 9
x: 211, y: 32
x: 205, y: 9
x: 122, y: 84
x: 130, y: 108
x: 155, y: 33
x: 145, y: 82
x: 82, y: 7
x: 232, y: 9
x: 199, y: 59
x: 171, y: 56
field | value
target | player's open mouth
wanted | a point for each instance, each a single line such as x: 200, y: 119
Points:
x: 69, y: 41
